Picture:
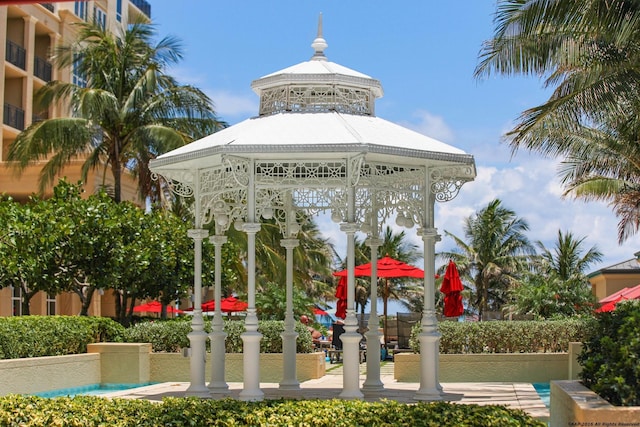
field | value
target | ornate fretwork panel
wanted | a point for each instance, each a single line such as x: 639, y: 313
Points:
x: 179, y: 182
x: 315, y: 99
x: 287, y: 174
x: 446, y: 181
x: 223, y: 192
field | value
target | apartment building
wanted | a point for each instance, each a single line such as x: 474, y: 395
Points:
x: 28, y: 32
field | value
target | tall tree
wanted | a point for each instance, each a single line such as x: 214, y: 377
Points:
x: 129, y: 112
x: 587, y: 51
x: 494, y: 253
x: 568, y: 259
x: 558, y: 285
x: 33, y: 247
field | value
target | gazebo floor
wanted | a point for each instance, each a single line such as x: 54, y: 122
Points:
x: 514, y: 395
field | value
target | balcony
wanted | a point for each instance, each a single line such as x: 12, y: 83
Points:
x: 48, y: 6
x: 42, y: 69
x: 16, y: 54
x: 13, y: 116
x: 144, y: 6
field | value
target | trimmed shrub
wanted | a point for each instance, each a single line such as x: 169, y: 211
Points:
x: 88, y: 411
x: 167, y: 335
x: 35, y: 336
x: 171, y: 335
x: 550, y: 336
x: 611, y: 358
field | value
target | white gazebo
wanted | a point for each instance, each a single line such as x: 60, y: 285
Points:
x: 316, y: 146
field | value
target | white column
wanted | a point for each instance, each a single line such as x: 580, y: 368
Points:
x: 251, y: 337
x: 429, y: 336
x: 197, y: 336
x: 289, y: 336
x: 373, y: 382
x: 350, y: 338
x: 218, y: 385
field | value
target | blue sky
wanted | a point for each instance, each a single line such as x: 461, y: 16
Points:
x: 424, y: 53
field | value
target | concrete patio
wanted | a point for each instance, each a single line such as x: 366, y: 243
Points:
x: 513, y: 395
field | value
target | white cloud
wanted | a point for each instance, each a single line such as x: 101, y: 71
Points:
x: 430, y: 125
x: 233, y: 106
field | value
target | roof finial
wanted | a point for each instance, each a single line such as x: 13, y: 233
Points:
x: 319, y: 44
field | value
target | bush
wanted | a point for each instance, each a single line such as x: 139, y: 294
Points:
x: 610, y: 359
x: 549, y: 336
x: 171, y: 335
x: 35, y: 336
x: 89, y: 411
x: 165, y: 335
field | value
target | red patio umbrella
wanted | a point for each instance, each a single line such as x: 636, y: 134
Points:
x: 227, y: 305
x: 154, y: 307
x: 451, y: 288
x: 388, y: 268
x: 609, y: 302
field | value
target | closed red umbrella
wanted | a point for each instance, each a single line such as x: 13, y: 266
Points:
x: 341, y: 294
x: 451, y: 288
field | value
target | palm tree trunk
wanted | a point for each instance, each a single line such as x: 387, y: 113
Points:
x: 117, y: 174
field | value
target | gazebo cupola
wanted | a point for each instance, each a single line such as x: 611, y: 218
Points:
x: 317, y: 85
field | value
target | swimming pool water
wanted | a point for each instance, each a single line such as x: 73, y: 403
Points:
x: 90, y: 390
x: 544, y: 391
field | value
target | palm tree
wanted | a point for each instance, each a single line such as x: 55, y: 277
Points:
x: 494, y: 254
x: 587, y: 50
x: 568, y: 259
x: 605, y: 166
x: 558, y: 286
x: 129, y: 112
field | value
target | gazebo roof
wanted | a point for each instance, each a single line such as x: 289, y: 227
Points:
x: 315, y: 135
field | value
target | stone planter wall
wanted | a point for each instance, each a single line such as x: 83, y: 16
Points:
x: 175, y: 367
x: 573, y: 404
x: 511, y: 367
x: 133, y: 364
x: 38, y: 374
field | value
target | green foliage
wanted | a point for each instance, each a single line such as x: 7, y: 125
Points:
x: 269, y: 302
x: 610, y: 359
x: 508, y: 337
x: 551, y: 297
x: 170, y: 336
x: 35, y: 336
x: 88, y: 411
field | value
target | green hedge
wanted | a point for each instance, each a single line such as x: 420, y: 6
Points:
x: 611, y: 358
x: 171, y: 335
x: 548, y: 336
x: 88, y: 411
x: 34, y: 336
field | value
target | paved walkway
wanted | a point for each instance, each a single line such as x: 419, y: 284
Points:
x: 514, y: 395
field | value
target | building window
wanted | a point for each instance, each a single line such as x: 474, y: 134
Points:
x: 80, y: 9
x: 119, y: 10
x: 78, y: 78
x: 16, y: 301
x: 51, y: 305
x: 100, y: 17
